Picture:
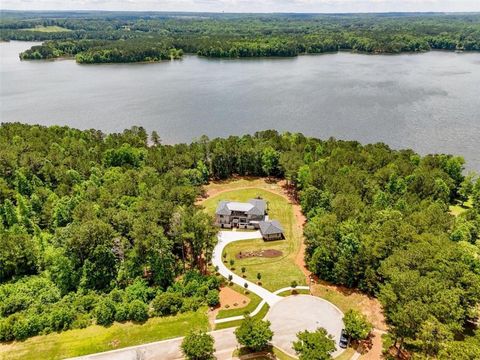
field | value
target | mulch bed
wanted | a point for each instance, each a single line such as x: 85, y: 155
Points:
x: 268, y: 253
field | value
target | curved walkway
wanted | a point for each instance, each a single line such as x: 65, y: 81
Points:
x: 225, y: 238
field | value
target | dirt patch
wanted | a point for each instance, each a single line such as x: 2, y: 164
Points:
x: 267, y: 253
x: 230, y: 299
x: 289, y: 192
x: 375, y: 351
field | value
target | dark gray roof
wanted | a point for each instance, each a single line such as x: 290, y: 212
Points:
x: 259, y: 207
x: 253, y: 207
x: 270, y: 227
x: 222, y: 208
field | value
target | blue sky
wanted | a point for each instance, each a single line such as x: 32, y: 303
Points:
x: 248, y: 5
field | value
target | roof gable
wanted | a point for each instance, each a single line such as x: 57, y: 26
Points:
x: 252, y: 207
x: 270, y: 227
x: 259, y: 207
x: 222, y: 208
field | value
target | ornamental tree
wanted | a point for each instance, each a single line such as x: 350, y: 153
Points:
x: 357, y: 326
x: 254, y: 334
x: 317, y: 345
x: 198, y: 345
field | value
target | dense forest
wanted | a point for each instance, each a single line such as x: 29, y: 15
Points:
x: 129, y: 37
x: 96, y: 228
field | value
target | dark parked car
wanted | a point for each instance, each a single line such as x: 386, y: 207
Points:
x: 343, y: 339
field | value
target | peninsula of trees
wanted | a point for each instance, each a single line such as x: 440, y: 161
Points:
x: 96, y: 228
x: 95, y: 37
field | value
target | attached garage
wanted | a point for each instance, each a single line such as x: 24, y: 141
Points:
x: 271, y: 230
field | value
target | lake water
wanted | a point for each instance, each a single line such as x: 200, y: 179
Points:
x: 429, y: 102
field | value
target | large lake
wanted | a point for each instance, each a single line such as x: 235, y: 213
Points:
x: 429, y: 102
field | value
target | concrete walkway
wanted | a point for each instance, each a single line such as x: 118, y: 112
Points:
x: 259, y: 307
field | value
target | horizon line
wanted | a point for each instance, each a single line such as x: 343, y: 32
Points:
x: 244, y: 12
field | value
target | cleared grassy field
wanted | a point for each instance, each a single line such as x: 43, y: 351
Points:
x: 47, y: 29
x: 98, y: 338
x: 458, y: 209
x: 276, y: 272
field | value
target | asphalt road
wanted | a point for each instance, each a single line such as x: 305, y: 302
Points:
x: 225, y: 342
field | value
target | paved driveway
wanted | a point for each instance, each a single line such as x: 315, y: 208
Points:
x: 303, y: 312
x: 225, y: 238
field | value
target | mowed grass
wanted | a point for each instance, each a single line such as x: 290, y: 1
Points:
x: 276, y: 272
x: 261, y: 314
x: 297, y: 292
x: 98, y: 338
x: 48, y: 29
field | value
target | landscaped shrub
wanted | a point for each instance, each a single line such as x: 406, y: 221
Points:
x: 138, y: 311
x: 213, y: 298
x: 121, y: 312
x: 214, y: 282
x: 192, y: 304
x: 167, y: 304
x: 61, y: 317
x: 6, y: 329
x: 190, y: 288
x: 105, y: 312
x: 26, y: 326
x: 82, y: 321
x: 139, y: 290
x: 117, y: 295
x: 198, y: 345
x: 85, y: 303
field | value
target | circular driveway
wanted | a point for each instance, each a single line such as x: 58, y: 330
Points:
x: 303, y: 312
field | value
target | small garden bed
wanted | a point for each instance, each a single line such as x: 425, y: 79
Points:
x: 267, y: 253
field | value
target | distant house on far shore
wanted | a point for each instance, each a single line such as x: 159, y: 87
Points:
x: 250, y: 215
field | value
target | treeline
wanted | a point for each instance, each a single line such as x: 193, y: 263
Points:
x: 249, y: 35
x: 96, y: 228
x: 379, y: 221
x: 88, y: 214
x: 100, y: 51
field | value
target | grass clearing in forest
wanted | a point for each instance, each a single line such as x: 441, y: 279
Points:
x: 96, y: 338
x: 277, y: 272
x: 47, y: 29
x: 458, y: 209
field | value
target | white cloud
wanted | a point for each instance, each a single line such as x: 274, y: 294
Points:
x: 248, y: 5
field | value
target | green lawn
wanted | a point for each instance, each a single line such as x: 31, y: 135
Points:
x: 458, y: 209
x: 252, y: 305
x: 276, y: 272
x: 49, y: 29
x: 261, y: 314
x: 297, y: 292
x: 98, y: 338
